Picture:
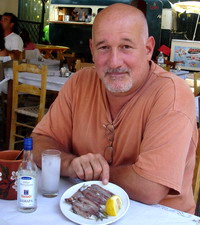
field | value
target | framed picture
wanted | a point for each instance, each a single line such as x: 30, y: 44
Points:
x: 186, y: 54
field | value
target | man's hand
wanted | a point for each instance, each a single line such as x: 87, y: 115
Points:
x: 89, y: 167
x: 86, y: 167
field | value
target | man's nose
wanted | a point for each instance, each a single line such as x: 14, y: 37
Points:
x: 115, y: 59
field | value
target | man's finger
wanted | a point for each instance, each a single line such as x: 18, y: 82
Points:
x: 105, y: 175
x: 97, y: 169
x: 88, y: 170
x: 78, y: 169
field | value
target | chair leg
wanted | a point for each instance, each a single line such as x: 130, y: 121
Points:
x: 3, y: 102
x: 12, y: 131
x: 197, y: 211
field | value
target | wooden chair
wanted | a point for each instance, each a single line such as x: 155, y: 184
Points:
x: 70, y: 58
x: 33, y: 111
x: 2, y: 105
x: 196, y: 83
x: 193, y: 81
x: 3, y: 101
x: 1, y: 71
x: 79, y: 65
x: 196, y: 177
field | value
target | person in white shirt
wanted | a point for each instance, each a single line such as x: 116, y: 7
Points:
x: 13, y: 41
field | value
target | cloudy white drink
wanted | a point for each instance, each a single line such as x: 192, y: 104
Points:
x: 51, y: 162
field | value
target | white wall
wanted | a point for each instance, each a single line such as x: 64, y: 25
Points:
x: 9, y: 6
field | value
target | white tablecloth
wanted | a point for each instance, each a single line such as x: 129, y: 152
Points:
x: 49, y: 213
x: 180, y: 73
x: 54, y: 81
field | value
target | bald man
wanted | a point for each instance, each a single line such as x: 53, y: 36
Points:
x: 126, y: 120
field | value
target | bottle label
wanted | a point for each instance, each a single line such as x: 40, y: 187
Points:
x: 160, y: 60
x: 27, y: 191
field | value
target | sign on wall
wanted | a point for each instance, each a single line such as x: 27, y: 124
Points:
x: 186, y: 54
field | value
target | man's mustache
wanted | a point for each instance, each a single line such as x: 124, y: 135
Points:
x: 117, y: 70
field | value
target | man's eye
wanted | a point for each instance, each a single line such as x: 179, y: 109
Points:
x: 103, y: 47
x: 126, y: 47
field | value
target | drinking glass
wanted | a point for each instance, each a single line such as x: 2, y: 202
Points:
x: 51, y: 162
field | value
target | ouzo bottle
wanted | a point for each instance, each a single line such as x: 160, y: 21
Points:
x: 27, y: 180
x: 161, y: 59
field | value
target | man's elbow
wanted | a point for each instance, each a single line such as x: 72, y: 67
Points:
x: 152, y: 200
x: 152, y: 197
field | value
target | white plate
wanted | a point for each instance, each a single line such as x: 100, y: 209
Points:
x: 66, y: 208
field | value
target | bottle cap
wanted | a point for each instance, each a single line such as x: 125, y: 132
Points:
x: 28, y: 143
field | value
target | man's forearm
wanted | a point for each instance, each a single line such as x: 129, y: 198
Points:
x: 41, y: 142
x: 137, y: 187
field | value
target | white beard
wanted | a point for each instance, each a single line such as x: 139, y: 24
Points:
x: 117, y: 85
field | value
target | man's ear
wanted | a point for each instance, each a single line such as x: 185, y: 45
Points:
x: 91, y: 49
x: 150, y: 47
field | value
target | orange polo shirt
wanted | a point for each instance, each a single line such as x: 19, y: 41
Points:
x: 155, y: 132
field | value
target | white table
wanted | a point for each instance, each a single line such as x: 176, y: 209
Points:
x: 180, y: 73
x: 49, y: 213
x: 54, y: 81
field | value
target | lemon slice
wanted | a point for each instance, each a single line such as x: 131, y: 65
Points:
x: 113, y: 205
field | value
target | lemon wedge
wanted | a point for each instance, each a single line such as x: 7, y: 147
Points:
x: 113, y: 205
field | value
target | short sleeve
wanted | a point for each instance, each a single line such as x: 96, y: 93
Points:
x: 57, y: 123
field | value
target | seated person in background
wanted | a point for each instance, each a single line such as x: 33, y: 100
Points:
x: 127, y: 120
x: 3, y: 51
x: 13, y: 41
x: 28, y: 44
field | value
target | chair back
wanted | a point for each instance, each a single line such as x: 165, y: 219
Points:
x: 70, y: 58
x: 79, y: 65
x: 34, y: 111
x: 196, y: 177
x: 27, y: 88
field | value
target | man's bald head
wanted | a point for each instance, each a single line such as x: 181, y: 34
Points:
x: 121, y: 13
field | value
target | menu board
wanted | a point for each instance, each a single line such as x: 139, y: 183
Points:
x: 186, y: 54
